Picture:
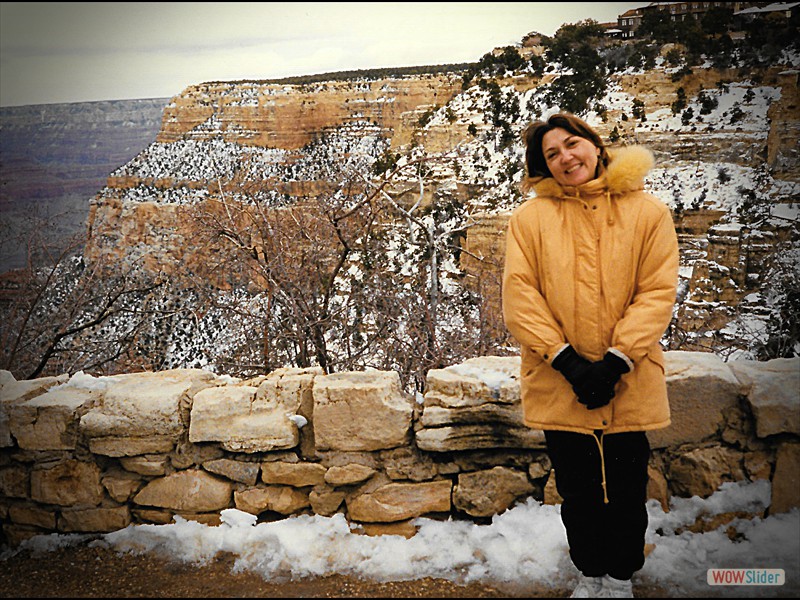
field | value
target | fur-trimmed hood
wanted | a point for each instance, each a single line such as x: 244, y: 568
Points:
x: 626, y: 170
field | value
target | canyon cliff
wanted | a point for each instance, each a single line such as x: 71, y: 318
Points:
x: 53, y: 157
x: 272, y: 144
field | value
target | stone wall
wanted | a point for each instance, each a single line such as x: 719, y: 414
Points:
x: 86, y: 454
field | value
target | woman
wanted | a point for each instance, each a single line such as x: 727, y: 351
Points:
x: 591, y: 272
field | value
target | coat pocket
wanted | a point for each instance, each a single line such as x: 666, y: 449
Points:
x: 657, y: 356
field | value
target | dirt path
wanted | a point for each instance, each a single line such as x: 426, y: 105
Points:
x: 80, y: 571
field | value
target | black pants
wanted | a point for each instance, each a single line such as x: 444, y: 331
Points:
x: 605, y: 531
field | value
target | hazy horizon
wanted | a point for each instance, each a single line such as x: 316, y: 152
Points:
x: 69, y: 52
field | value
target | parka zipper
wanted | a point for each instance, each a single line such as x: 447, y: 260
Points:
x: 598, y: 254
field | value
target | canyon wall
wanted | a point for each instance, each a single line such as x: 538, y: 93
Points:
x: 290, y: 131
x: 55, y: 157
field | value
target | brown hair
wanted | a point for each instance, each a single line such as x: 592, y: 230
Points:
x: 535, y: 164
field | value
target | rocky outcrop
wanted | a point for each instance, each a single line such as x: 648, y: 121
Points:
x: 290, y: 116
x: 86, y: 454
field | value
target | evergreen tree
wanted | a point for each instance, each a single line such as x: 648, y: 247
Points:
x: 583, y: 79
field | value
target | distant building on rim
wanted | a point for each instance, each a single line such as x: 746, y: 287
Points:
x: 628, y: 22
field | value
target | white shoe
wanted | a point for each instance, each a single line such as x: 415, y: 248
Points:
x: 615, y: 588
x: 588, y: 587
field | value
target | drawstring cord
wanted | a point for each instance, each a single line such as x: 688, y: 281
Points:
x: 579, y: 198
x: 602, y: 465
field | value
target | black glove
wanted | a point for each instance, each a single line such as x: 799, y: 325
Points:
x: 609, y: 370
x: 603, y: 376
x: 573, y: 367
x: 594, y: 393
x: 593, y: 382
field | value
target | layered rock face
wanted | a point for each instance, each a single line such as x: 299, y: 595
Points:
x: 252, y: 142
x: 86, y: 454
x: 54, y: 157
x: 269, y: 144
x: 289, y: 117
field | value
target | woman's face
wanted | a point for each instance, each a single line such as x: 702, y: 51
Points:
x: 572, y: 159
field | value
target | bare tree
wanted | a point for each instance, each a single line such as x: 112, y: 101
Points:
x: 351, y: 277
x: 307, y: 259
x: 68, y: 315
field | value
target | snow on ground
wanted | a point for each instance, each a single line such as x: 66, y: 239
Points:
x: 525, y: 546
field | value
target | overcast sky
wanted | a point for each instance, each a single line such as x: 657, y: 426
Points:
x: 52, y: 52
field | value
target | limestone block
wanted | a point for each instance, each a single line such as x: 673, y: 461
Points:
x: 361, y: 411
x: 14, y: 392
x: 251, y: 419
x: 475, y: 405
x: 400, y: 501
x: 475, y: 437
x: 252, y: 500
x: 67, y: 483
x: 6, y: 441
x: 551, y: 495
x: 32, y: 515
x: 701, y: 471
x: 486, y: 459
x: 490, y: 492
x: 49, y: 421
x: 157, y: 517
x: 408, y: 463
x: 291, y: 387
x: 286, y: 500
x: 100, y: 520
x: 192, y: 490
x: 141, y: 407
x: 282, y: 499
x: 211, y: 519
x: 235, y: 470
x: 499, y: 414
x: 474, y: 382
x: 6, y: 377
x: 293, y: 474
x: 14, y: 481
x: 700, y: 388
x: 121, y: 485
x: 325, y: 500
x: 773, y: 392
x: 757, y: 465
x: 187, y: 454
x: 406, y: 529
x: 294, y: 387
x: 131, y: 445
x: 348, y: 474
x: 786, y: 480
x: 540, y: 466
x: 151, y: 465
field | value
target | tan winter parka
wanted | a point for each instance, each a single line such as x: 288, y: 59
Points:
x: 595, y: 266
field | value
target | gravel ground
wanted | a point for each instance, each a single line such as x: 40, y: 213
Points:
x: 94, y: 572
x: 81, y: 571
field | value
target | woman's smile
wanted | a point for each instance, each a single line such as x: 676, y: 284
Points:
x: 571, y: 159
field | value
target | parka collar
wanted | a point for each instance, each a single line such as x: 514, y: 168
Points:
x: 626, y: 170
